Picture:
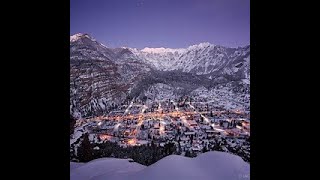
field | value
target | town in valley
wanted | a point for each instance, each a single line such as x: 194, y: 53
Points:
x: 193, y: 124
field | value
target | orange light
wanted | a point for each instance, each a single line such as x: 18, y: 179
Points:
x: 132, y: 142
x: 104, y: 137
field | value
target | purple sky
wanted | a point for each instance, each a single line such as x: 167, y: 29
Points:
x: 162, y: 23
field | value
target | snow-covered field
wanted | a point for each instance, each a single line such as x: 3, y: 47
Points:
x: 208, y: 166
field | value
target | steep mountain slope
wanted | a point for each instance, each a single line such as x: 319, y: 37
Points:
x: 207, y: 166
x: 84, y: 47
x: 101, y: 78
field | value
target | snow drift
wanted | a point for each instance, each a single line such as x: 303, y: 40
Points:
x: 208, y: 166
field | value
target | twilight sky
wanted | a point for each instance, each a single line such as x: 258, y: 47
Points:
x: 162, y: 23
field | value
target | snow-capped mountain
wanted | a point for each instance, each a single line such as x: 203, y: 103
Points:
x: 158, y: 58
x: 207, y: 166
x: 102, y: 78
x: 203, y: 58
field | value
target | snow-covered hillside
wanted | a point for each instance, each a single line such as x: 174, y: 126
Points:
x: 208, y: 166
x: 160, y: 92
x: 227, y: 96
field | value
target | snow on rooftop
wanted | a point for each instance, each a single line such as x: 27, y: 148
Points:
x: 142, y: 142
x: 192, y: 122
x: 218, y: 129
x: 189, y: 133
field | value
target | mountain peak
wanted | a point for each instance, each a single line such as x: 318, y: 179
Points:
x: 78, y: 36
x: 201, y: 45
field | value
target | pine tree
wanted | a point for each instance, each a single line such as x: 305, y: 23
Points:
x: 153, y: 146
x: 188, y: 154
x: 179, y: 148
x: 193, y: 154
x: 72, y: 123
x: 85, y: 151
x: 191, y: 138
x: 205, y: 149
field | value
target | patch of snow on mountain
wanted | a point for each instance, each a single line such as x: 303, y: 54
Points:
x: 246, y: 81
x: 201, y: 45
x: 78, y: 36
x: 161, y: 50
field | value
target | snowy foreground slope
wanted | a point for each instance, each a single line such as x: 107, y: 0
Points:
x: 208, y: 166
x: 103, y: 168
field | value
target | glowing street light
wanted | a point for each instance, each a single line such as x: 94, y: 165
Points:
x: 132, y: 142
